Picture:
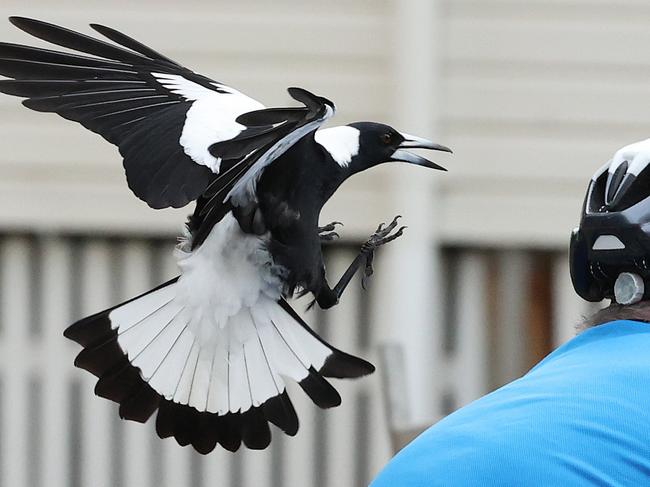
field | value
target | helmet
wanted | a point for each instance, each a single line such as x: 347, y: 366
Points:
x: 609, y: 256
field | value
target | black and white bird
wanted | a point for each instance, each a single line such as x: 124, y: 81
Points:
x: 212, y: 349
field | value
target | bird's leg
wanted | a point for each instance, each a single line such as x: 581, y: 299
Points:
x: 327, y: 233
x: 329, y: 297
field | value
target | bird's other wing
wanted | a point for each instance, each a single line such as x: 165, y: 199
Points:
x: 162, y: 116
x: 296, y: 124
x: 269, y: 133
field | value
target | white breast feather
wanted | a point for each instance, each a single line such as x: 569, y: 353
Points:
x: 228, y: 272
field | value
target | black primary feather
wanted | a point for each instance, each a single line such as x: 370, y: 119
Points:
x: 132, y: 44
x: 74, y: 40
x: 110, y: 90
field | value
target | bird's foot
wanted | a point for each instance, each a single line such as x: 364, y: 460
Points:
x: 327, y: 233
x: 382, y: 236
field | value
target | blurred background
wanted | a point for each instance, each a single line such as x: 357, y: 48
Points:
x: 533, y: 96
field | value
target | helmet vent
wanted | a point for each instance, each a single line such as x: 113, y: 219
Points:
x: 608, y: 242
x: 614, y: 182
x: 632, y: 190
x: 595, y: 202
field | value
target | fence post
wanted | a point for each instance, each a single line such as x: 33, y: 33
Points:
x: 408, y: 310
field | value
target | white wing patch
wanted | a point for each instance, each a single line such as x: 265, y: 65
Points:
x: 211, y: 118
x: 341, y: 142
x: 217, y: 339
x: 179, y: 85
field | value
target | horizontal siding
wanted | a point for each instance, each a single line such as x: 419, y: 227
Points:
x: 535, y: 215
x: 536, y: 96
x: 536, y: 72
x: 533, y: 39
x: 567, y: 103
x: 522, y: 158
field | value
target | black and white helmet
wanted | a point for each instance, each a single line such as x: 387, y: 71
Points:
x: 610, y: 250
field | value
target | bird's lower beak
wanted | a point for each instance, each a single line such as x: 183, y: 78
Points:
x: 414, y: 142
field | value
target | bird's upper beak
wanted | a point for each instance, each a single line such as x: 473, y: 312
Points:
x: 415, y: 142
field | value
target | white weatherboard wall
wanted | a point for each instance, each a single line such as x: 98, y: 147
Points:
x: 537, y: 95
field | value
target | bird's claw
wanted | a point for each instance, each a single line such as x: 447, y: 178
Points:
x: 327, y: 233
x: 328, y: 237
x: 381, y: 236
x: 329, y: 227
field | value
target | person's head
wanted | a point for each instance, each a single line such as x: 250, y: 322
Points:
x: 610, y: 250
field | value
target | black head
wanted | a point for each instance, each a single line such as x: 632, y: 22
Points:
x: 378, y: 143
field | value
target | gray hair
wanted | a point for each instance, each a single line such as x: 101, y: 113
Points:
x: 639, y: 312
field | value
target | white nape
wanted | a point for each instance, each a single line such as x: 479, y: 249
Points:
x: 608, y: 242
x: 341, y: 142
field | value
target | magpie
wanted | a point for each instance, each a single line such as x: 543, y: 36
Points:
x: 212, y: 349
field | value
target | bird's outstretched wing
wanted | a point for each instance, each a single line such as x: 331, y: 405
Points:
x: 178, y: 131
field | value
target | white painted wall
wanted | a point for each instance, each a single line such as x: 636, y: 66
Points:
x: 537, y: 95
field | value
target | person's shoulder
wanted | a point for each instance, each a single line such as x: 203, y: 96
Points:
x: 606, y: 339
x: 526, y: 425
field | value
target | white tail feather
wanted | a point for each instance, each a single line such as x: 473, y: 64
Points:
x: 168, y: 375
x: 217, y: 400
x: 201, y: 380
x: 182, y: 390
x: 241, y: 365
x: 136, y: 311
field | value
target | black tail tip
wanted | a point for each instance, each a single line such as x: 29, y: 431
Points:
x: 341, y: 365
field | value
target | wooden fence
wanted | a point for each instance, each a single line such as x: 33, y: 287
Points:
x: 503, y: 309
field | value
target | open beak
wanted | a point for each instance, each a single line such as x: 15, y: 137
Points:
x: 414, y: 142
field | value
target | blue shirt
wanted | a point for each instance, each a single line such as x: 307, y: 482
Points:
x: 579, y: 417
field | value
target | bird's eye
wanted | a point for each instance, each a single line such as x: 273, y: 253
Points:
x: 386, y: 138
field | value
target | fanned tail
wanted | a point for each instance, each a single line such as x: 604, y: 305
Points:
x: 223, y: 389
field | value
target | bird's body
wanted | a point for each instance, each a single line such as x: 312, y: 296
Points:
x: 212, y: 349
x: 291, y: 195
